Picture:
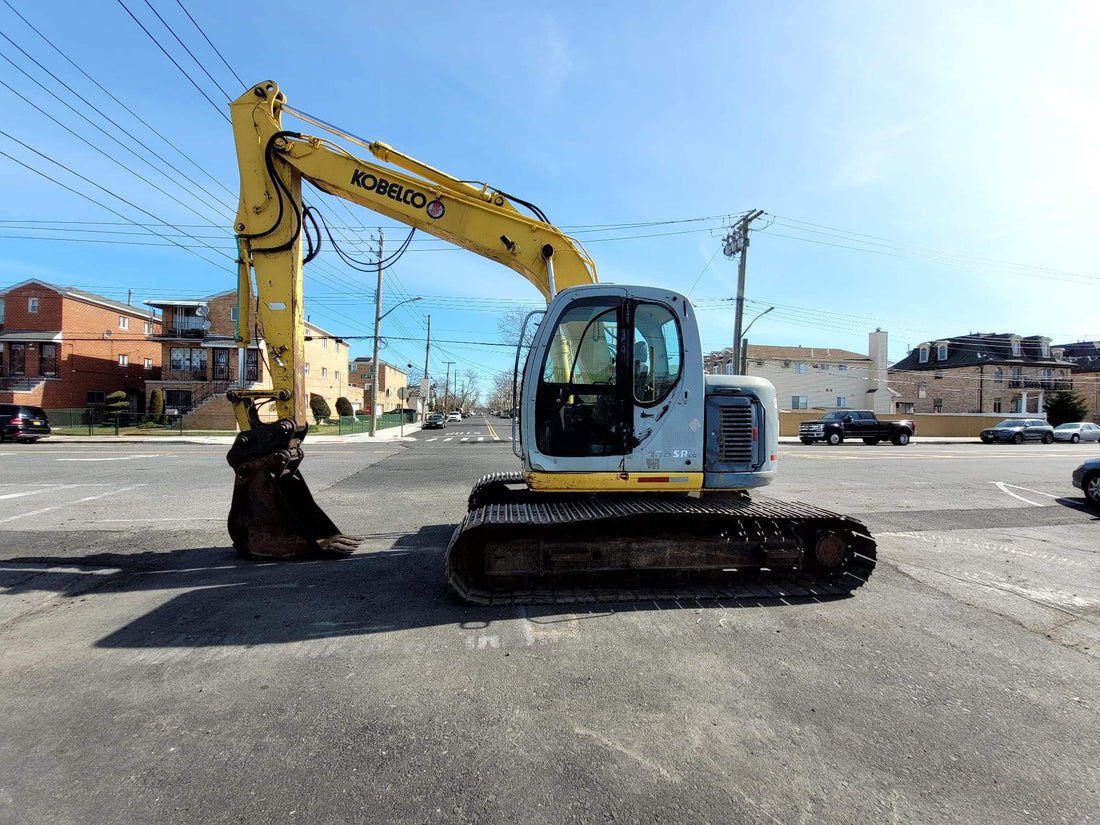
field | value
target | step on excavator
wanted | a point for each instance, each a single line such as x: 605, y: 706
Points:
x: 636, y: 467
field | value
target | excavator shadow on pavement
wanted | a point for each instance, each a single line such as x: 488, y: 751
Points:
x: 226, y: 600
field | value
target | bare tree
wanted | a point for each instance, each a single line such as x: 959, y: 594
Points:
x: 510, y: 325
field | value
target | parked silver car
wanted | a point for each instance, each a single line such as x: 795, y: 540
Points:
x: 1080, y: 431
x: 1019, y: 430
x: 1087, y: 478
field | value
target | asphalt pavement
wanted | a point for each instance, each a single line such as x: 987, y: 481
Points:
x: 152, y: 676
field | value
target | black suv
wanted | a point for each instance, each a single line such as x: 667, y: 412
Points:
x: 19, y: 423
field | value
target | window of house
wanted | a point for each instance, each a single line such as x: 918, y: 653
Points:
x: 148, y: 328
x: 800, y: 367
x: 937, y: 405
x: 324, y: 343
x: 941, y: 352
x: 922, y: 390
x: 1059, y: 353
x: 184, y: 359
x: 826, y: 367
x: 148, y: 363
x: 233, y: 314
x: 32, y: 305
x: 177, y: 399
x: 996, y: 405
x: 307, y: 368
x: 47, y: 360
x: 759, y: 362
x: 729, y: 368
x: 1015, y: 407
x: 337, y: 376
x: 906, y: 407
x: 324, y: 372
x: 999, y: 376
x: 1017, y: 373
x: 252, y: 365
x: 124, y: 360
x: 843, y: 368
x: 1045, y: 347
x: 95, y: 397
x: 123, y: 322
x: 1046, y: 373
x: 1016, y: 346
x: 799, y: 402
x: 842, y: 401
x: 924, y: 355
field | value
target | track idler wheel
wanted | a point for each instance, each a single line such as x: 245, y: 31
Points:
x: 830, y: 551
x: 273, y: 514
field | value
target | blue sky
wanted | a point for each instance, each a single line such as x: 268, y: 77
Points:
x: 931, y: 169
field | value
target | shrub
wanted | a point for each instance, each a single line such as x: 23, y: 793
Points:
x: 343, y: 407
x: 156, y: 407
x: 118, y: 408
x: 319, y: 407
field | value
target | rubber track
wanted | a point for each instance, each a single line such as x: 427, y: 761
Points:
x: 523, y: 509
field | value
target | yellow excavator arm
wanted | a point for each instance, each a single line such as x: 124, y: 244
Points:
x: 270, y: 498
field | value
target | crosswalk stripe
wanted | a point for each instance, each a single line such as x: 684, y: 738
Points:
x: 434, y: 439
x: 463, y: 439
x: 446, y: 439
x: 480, y: 438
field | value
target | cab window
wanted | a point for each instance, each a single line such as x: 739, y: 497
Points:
x: 577, y: 410
x: 657, y: 353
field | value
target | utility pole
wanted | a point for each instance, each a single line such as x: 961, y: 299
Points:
x: 425, y: 383
x: 377, y: 325
x: 447, y: 389
x: 737, y: 242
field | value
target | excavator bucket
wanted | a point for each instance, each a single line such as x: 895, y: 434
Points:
x: 273, y: 514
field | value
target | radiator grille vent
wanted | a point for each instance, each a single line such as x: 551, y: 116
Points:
x: 735, y: 444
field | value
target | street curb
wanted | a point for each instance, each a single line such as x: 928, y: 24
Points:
x: 790, y: 439
x: 389, y: 434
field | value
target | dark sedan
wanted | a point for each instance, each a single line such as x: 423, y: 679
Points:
x: 1087, y: 479
x: 20, y: 423
x: 1019, y: 430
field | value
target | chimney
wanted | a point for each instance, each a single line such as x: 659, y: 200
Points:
x: 877, y: 347
x: 130, y: 298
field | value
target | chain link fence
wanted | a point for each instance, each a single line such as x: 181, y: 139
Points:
x: 101, y: 421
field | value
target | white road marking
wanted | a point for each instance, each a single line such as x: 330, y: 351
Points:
x: 463, y: 439
x: 448, y: 439
x: 1004, y: 489
x: 480, y: 438
x: 119, y: 457
x: 36, y: 492
x: 1029, y: 490
x: 177, y: 518
x: 436, y: 438
x: 70, y: 503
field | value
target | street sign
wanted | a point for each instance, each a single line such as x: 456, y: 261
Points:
x: 402, y: 393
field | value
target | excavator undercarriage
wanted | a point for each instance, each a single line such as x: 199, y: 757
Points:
x: 520, y: 547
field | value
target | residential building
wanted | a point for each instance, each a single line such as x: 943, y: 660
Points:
x: 1085, y: 358
x: 816, y: 377
x: 65, y: 348
x: 980, y: 373
x: 202, y: 361
x: 390, y: 380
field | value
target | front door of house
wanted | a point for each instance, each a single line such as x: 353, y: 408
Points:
x: 221, y: 365
x: 18, y: 360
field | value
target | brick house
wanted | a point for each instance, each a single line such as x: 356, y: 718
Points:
x: 980, y: 373
x: 390, y: 380
x: 1085, y: 357
x: 64, y: 348
x: 201, y: 361
x: 816, y: 377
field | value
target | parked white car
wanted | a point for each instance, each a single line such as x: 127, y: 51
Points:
x: 1080, y: 431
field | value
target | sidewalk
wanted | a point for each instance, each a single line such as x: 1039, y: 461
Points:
x: 917, y: 439
x: 388, y: 434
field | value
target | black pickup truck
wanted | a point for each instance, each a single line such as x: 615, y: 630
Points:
x: 834, y: 427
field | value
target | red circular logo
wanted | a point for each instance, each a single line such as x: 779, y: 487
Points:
x: 435, y: 209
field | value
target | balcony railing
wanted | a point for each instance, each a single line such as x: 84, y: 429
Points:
x: 1055, y: 384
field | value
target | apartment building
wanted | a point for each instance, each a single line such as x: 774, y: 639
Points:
x: 817, y: 377
x: 980, y: 373
x: 202, y: 361
x: 62, y: 347
x: 390, y: 380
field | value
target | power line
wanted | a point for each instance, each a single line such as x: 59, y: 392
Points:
x: 174, y: 63
x: 212, y: 46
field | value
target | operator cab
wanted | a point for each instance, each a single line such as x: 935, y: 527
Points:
x: 606, y: 357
